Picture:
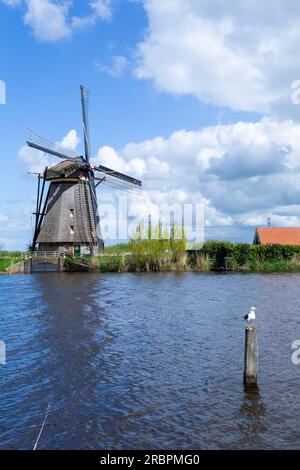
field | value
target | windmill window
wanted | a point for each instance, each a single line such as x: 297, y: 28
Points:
x: 72, y: 229
x: 71, y: 213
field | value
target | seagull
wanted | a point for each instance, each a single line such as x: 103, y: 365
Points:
x: 251, y: 316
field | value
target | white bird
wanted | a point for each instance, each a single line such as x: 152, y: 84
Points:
x: 251, y: 316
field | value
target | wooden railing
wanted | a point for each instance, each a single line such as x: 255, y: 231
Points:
x: 44, y: 254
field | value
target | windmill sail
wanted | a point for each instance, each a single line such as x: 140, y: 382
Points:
x: 117, y: 175
x: 86, y: 135
x: 34, y: 141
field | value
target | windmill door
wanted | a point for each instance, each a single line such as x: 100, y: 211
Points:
x: 77, y: 250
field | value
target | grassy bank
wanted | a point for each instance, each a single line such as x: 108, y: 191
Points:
x: 139, y: 256
x: 7, y: 258
x: 168, y: 255
x: 171, y: 255
x: 242, y: 257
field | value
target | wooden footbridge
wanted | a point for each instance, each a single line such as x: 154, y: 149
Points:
x: 39, y: 262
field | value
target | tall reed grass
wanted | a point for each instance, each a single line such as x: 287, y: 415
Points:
x: 145, y: 252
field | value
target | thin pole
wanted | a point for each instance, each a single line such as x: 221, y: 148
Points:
x: 37, y: 204
x: 39, y: 216
x: 42, y: 427
x: 42, y: 215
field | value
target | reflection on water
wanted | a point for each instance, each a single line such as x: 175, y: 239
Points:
x: 252, y: 423
x: 147, y: 361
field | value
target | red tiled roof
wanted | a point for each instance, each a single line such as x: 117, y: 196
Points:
x: 279, y: 235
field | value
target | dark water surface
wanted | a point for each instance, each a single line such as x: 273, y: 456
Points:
x: 147, y: 361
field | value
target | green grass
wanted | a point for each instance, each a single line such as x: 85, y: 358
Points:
x: 268, y: 267
x: 7, y: 261
x: 7, y: 258
x: 10, y: 254
x: 118, y: 249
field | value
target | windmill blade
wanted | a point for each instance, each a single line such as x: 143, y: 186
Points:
x: 43, y: 145
x: 120, y: 187
x: 85, y: 104
x: 115, y: 175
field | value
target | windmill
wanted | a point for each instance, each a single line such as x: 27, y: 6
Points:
x: 66, y: 216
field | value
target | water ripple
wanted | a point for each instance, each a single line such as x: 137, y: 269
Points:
x: 147, y: 361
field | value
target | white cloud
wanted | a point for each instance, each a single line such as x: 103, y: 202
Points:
x: 48, y: 20
x: 116, y: 68
x: 11, y: 3
x: 100, y: 10
x: 243, y: 173
x: 107, y: 156
x: 70, y: 141
x: 15, y: 228
x: 238, y: 54
x: 36, y: 161
x: 3, y: 217
x: 80, y: 22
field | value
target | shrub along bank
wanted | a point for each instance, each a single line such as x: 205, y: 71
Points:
x: 171, y: 255
x: 222, y: 255
x: 167, y: 255
x: 140, y: 256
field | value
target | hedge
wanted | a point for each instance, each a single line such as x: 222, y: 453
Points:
x: 220, y: 253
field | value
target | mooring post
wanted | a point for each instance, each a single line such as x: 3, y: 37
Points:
x: 251, y: 356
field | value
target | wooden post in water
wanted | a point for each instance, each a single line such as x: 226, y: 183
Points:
x: 251, y: 357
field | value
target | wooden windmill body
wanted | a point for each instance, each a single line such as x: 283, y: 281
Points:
x: 67, y: 219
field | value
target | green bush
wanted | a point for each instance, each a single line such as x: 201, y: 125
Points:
x: 163, y: 254
x: 217, y: 251
x: 242, y: 256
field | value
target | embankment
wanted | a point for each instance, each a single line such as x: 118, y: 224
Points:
x: 159, y: 256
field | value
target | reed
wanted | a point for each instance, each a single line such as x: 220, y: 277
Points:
x: 202, y: 263
x: 137, y: 263
x: 145, y: 252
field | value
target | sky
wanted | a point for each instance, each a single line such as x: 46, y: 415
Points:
x: 197, y: 98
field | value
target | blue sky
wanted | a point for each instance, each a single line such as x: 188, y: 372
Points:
x: 193, y: 97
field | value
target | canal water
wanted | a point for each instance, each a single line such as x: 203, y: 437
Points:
x: 147, y: 361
